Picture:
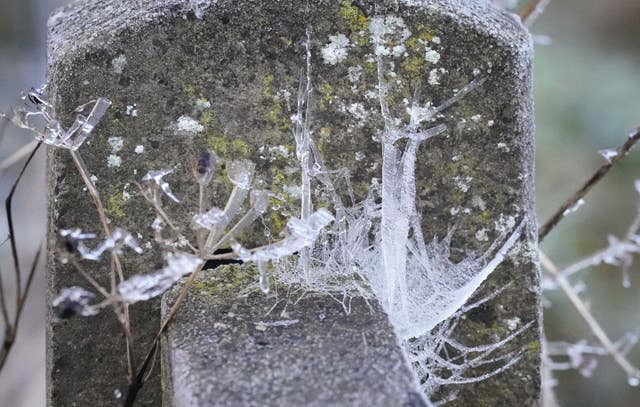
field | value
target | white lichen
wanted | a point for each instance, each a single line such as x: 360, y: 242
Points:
x: 431, y: 55
x: 336, y: 50
x: 187, y: 126
x: 113, y: 161
x: 116, y: 143
x: 118, y: 63
x: 131, y: 110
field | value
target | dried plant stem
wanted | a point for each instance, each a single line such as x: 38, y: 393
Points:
x: 582, y: 309
x: 90, y: 280
x: 11, y: 326
x: 116, y: 265
x: 590, y: 183
x: 532, y: 10
x: 21, y: 153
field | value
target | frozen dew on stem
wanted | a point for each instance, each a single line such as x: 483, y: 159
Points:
x: 302, y: 233
x: 143, y: 287
x: 72, y: 240
x: 51, y: 131
x: 115, y: 242
x: 154, y: 180
x: 608, y: 154
x: 73, y: 301
x: 209, y: 219
x: 240, y: 173
x: 574, y: 208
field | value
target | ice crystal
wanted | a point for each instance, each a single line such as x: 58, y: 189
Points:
x: 144, y: 287
x: 154, y: 179
x: 74, y: 301
x: 240, y: 173
x: 119, y: 238
x: 209, y: 219
x: 574, y: 208
x: 52, y: 132
x: 302, y: 233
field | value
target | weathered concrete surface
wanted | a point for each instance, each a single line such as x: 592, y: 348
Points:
x: 224, y: 350
x: 245, y: 58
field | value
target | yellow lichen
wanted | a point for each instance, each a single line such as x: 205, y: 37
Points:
x: 115, y: 205
x: 354, y: 17
x: 267, y: 81
x: 190, y: 90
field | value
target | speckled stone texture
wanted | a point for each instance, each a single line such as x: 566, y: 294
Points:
x: 233, y: 346
x: 225, y: 75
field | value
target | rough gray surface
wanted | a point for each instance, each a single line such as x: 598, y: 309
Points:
x: 245, y: 58
x: 224, y: 350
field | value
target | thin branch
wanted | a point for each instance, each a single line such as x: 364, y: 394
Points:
x: 622, y: 151
x: 17, y: 156
x: 583, y: 310
x: 8, y: 208
x: 23, y: 299
x: 532, y: 10
x: 11, y: 328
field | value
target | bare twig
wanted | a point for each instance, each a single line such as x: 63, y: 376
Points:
x: 11, y: 326
x: 12, y: 236
x: 622, y: 151
x: 532, y: 10
x: 583, y: 310
x: 17, y: 156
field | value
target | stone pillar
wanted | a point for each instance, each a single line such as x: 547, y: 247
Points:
x: 185, y: 77
x: 231, y: 345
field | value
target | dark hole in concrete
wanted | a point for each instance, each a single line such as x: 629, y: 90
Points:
x: 211, y: 264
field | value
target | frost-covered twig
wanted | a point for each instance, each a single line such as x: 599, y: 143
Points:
x: 620, y: 153
x: 52, y: 133
x: 633, y: 374
x: 532, y: 10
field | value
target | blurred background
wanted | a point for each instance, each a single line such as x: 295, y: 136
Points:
x: 587, y: 89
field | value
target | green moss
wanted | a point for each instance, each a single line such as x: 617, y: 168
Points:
x: 225, y: 281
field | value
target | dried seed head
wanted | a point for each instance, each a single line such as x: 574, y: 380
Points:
x: 205, y: 167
